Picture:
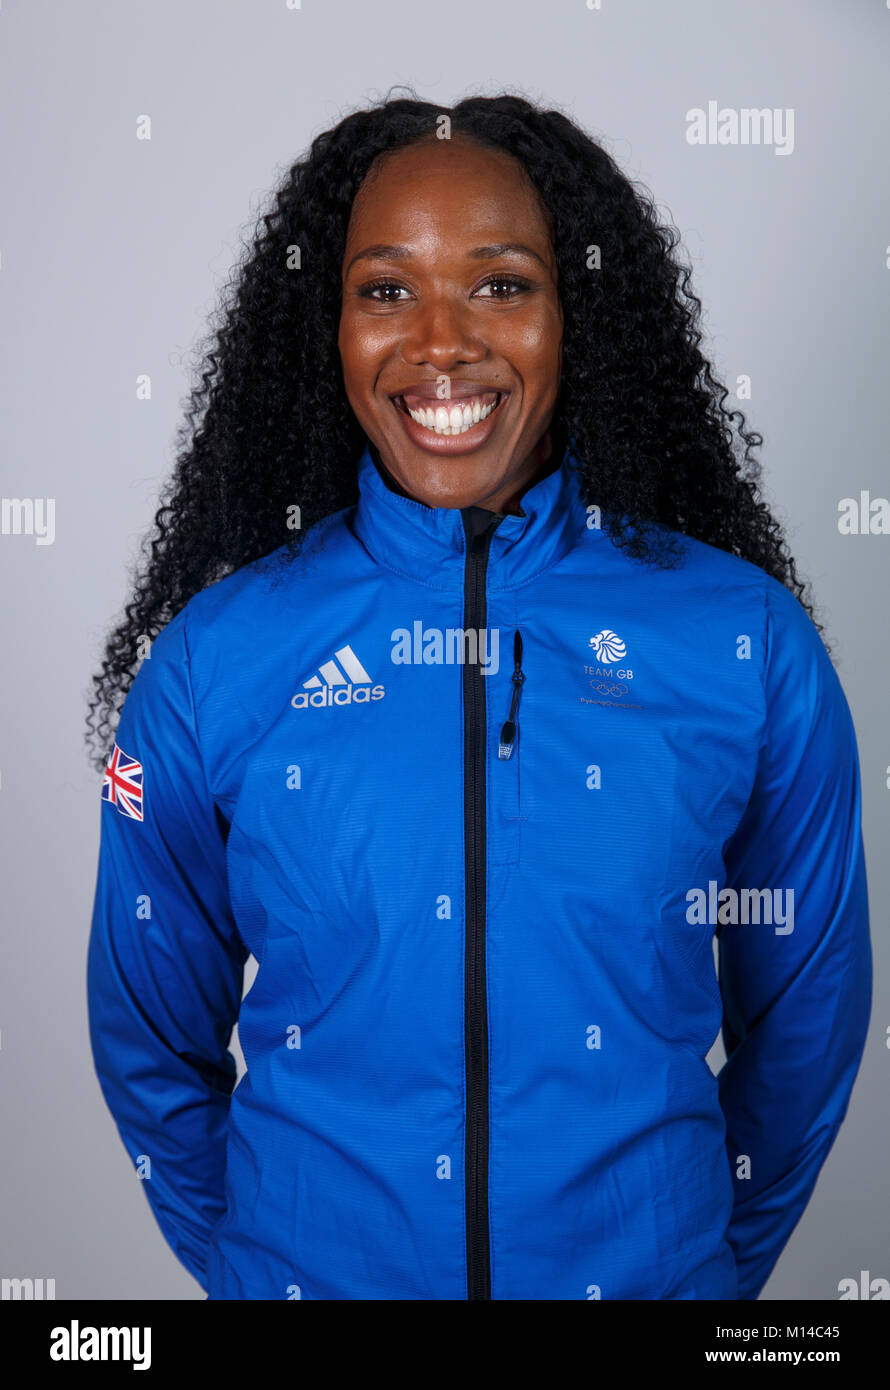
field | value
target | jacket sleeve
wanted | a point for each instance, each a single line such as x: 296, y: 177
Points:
x: 165, y: 963
x: 796, y: 1002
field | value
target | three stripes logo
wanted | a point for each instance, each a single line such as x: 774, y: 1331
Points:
x: 341, y: 681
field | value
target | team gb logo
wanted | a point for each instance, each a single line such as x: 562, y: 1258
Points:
x: 608, y: 646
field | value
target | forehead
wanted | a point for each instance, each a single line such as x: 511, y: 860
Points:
x: 452, y: 186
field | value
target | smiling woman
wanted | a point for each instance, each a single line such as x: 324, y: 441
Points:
x: 476, y: 1043
x: 450, y: 332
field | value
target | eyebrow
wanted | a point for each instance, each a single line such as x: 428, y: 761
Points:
x: 385, y: 251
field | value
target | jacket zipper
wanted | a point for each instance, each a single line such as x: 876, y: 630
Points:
x: 508, y: 732
x: 475, y: 1011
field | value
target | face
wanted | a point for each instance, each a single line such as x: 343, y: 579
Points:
x: 451, y: 325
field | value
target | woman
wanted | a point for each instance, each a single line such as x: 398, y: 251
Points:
x: 477, y: 762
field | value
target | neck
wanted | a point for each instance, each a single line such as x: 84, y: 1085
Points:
x: 539, y: 463
x: 429, y: 544
x: 506, y: 501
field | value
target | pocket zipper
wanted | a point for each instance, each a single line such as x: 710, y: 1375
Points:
x: 508, y: 731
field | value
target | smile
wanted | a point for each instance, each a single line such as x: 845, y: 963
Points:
x: 455, y: 425
x: 454, y: 418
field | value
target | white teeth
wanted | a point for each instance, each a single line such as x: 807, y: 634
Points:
x: 457, y: 420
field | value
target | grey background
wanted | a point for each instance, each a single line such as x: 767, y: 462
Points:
x: 112, y: 251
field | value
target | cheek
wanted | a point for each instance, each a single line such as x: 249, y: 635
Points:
x: 363, y: 344
x: 535, y: 330
x: 370, y: 332
x: 537, y: 355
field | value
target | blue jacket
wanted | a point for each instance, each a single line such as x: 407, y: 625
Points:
x: 483, y: 875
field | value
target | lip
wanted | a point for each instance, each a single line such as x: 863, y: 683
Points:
x: 464, y: 443
x: 458, y: 390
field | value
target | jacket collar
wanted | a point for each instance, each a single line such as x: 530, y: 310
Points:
x: 428, y: 544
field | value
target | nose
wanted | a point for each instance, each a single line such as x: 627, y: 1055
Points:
x: 441, y: 333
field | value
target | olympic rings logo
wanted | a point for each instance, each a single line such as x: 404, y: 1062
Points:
x: 602, y: 688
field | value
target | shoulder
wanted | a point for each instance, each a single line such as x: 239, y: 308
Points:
x: 803, y: 689
x: 227, y: 631
x: 223, y: 667
x: 785, y: 630
x: 806, y: 718
x: 266, y: 592
x: 705, y: 564
x: 723, y: 593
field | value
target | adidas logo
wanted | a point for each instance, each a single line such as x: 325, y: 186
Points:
x: 332, y: 687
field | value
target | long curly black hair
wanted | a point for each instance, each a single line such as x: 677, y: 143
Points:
x: 268, y: 424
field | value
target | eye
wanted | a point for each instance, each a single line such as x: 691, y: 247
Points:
x: 503, y: 287
x: 384, y: 291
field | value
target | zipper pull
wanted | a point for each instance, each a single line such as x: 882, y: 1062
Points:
x: 508, y: 732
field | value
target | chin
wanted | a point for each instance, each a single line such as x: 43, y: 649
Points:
x: 451, y: 492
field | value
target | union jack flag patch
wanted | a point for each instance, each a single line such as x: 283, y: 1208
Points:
x: 122, y: 783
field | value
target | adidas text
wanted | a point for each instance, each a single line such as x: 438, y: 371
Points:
x: 338, y: 695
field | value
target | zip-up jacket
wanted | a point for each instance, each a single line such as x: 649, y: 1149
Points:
x: 514, y: 824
